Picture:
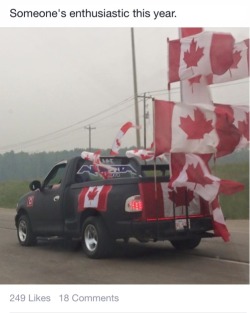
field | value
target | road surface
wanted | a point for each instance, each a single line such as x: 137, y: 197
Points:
x: 55, y: 262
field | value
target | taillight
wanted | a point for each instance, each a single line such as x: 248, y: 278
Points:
x: 134, y: 204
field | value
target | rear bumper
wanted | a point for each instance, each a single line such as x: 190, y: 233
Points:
x: 165, y: 229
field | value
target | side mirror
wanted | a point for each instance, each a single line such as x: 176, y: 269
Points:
x: 35, y: 184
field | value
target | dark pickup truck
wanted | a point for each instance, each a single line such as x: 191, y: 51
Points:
x: 133, y: 200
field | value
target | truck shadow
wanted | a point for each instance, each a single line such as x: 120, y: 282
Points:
x: 121, y: 250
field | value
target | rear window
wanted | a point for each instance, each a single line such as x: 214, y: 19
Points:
x: 118, y: 168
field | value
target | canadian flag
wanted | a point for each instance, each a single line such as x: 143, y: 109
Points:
x: 232, y: 127
x: 117, y: 142
x: 200, y: 54
x: 192, y: 171
x: 178, y: 200
x: 199, y: 128
x: 143, y: 154
x: 91, y: 156
x: 239, y: 68
x: 94, y: 197
x: 220, y: 228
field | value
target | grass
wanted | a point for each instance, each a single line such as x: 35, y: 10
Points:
x: 235, y: 206
x: 10, y: 192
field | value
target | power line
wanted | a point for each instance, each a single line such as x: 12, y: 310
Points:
x: 68, y: 129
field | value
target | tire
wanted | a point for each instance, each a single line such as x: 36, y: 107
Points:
x: 186, y: 244
x: 96, y: 241
x: 24, y: 231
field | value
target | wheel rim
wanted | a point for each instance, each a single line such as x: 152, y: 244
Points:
x: 22, y: 230
x: 91, y: 238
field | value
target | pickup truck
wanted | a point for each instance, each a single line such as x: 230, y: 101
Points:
x: 76, y: 201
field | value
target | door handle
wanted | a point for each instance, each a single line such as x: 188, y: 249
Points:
x: 56, y: 198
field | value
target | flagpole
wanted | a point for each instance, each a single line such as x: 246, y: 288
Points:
x: 137, y: 122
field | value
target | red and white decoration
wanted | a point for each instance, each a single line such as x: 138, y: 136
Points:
x: 117, y: 142
x: 94, y: 197
x: 143, y: 154
x: 192, y: 171
x: 200, y: 54
x: 239, y: 68
x: 203, y: 128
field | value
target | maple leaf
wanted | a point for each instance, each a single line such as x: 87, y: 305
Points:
x: 92, y: 194
x: 196, y: 175
x: 197, y: 128
x: 193, y: 55
x: 244, y: 127
x: 180, y: 196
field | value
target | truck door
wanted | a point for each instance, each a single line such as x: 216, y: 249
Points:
x: 48, y: 212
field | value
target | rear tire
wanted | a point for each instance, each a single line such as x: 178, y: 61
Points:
x: 24, y: 231
x: 96, y: 241
x: 186, y: 244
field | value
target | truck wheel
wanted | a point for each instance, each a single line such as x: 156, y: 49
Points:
x: 184, y: 244
x: 96, y: 241
x: 24, y: 231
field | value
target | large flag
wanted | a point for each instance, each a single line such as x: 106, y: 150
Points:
x: 199, y: 128
x: 239, y: 68
x: 200, y: 54
x: 192, y: 171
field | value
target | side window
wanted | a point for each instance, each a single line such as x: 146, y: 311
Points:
x: 54, y: 179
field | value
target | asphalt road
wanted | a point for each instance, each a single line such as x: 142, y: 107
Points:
x: 56, y: 262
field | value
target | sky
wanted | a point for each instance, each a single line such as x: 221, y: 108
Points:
x: 56, y: 82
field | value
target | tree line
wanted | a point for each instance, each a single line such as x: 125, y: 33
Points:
x: 24, y: 166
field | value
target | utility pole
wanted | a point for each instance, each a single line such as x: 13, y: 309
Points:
x: 145, y: 116
x: 89, y: 128
x: 137, y: 122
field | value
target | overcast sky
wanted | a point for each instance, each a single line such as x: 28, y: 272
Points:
x: 59, y: 80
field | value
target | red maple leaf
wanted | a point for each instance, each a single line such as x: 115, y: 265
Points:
x: 193, y: 55
x: 196, y: 175
x: 244, y: 127
x: 197, y: 128
x: 92, y: 194
x: 181, y: 196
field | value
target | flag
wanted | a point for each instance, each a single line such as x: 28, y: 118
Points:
x: 192, y: 171
x: 104, y: 170
x: 200, y: 54
x: 117, y: 142
x: 184, y: 128
x: 219, y: 224
x: 91, y: 156
x: 94, y: 197
x: 178, y: 200
x: 143, y: 154
x: 239, y: 68
x: 200, y: 128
